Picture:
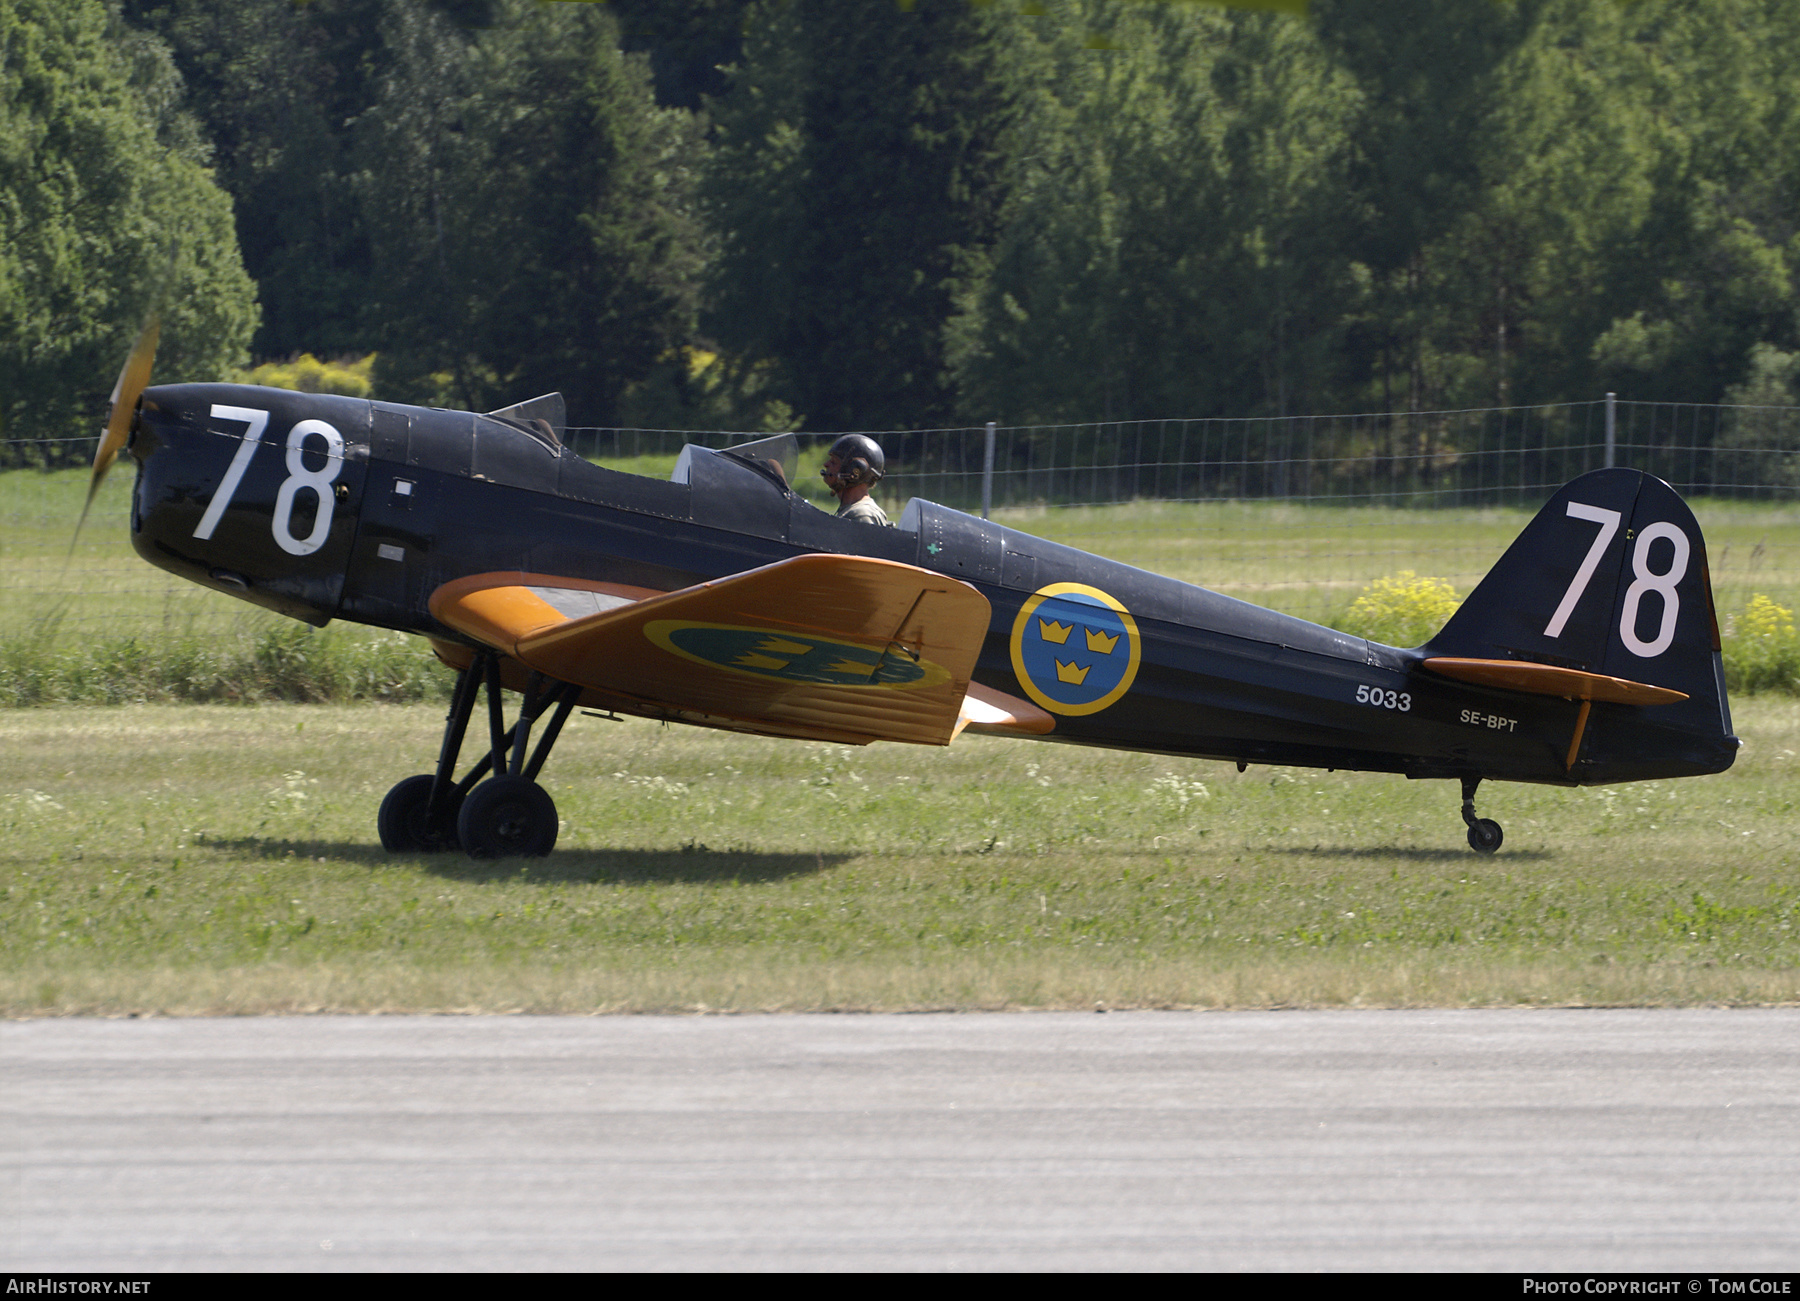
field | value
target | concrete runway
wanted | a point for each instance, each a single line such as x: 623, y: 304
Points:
x: 1503, y: 1140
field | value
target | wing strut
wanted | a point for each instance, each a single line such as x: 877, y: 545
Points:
x: 1549, y: 680
x: 1580, y: 730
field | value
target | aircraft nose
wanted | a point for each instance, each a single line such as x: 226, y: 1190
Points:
x: 160, y: 408
x: 135, y: 447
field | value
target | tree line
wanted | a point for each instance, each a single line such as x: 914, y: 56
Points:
x: 832, y: 214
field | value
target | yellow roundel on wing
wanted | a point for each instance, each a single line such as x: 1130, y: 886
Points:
x: 1075, y: 649
x: 800, y: 658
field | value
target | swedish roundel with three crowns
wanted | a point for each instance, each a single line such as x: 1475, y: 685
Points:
x: 1074, y: 648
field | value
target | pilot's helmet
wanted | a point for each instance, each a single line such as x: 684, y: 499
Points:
x: 859, y: 459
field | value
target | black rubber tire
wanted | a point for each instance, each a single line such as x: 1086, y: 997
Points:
x: 507, y: 817
x: 402, y: 823
x: 1485, y: 836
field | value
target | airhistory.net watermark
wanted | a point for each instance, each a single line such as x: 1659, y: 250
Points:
x: 77, y: 1287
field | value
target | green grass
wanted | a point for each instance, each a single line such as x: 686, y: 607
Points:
x: 212, y: 859
x: 284, y: 661
x: 103, y: 588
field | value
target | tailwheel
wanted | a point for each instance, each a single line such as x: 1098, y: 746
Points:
x: 507, y: 817
x: 406, y: 822
x: 1484, y: 833
x: 1485, y: 836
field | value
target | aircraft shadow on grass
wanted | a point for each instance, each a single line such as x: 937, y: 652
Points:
x: 690, y: 865
x: 694, y: 863
x: 1408, y: 854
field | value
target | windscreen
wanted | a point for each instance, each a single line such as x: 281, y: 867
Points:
x: 778, y: 456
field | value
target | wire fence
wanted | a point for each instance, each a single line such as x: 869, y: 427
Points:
x: 1510, y: 456
x: 1298, y: 513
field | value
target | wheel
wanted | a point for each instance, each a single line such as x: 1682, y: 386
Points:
x: 507, y: 817
x: 402, y: 823
x: 1485, y: 836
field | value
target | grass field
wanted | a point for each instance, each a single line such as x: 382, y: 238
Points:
x: 211, y: 859
x: 224, y: 859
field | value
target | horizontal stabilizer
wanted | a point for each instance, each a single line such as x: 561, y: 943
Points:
x: 821, y: 645
x: 1548, y: 680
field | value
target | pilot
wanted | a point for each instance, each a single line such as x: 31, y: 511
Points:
x: 852, y: 467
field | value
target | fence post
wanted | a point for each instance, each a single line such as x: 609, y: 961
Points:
x: 987, y: 473
x: 1611, y: 426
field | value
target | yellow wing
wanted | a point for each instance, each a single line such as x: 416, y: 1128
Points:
x: 833, y: 647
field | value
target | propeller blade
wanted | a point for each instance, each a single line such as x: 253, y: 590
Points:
x: 134, y: 378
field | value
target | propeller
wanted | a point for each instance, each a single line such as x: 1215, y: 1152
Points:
x: 134, y: 378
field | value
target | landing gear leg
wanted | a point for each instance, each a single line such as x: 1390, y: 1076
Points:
x: 1484, y: 833
x: 509, y: 815
x: 419, y: 814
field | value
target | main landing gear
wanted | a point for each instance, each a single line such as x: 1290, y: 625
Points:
x: 509, y: 815
x: 1484, y: 833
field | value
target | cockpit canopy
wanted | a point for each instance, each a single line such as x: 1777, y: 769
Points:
x: 544, y: 418
x: 776, y: 457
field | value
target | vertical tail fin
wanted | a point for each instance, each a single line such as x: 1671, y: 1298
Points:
x: 1610, y: 577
